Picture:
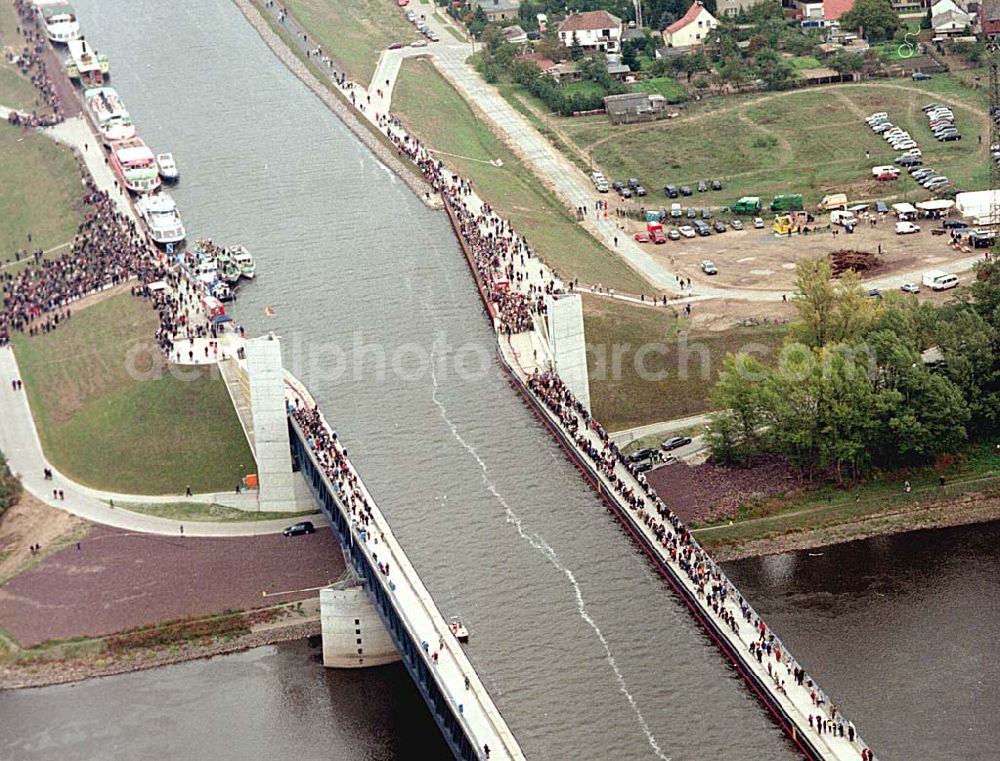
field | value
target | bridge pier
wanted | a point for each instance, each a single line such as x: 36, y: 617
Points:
x: 353, y: 633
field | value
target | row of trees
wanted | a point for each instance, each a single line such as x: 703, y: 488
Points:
x: 851, y: 391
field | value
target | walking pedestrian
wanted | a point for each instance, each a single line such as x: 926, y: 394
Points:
x: 187, y: 491
x: 182, y: 529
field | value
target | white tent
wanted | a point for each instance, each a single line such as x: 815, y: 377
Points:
x: 937, y: 204
x: 977, y: 203
x: 904, y: 210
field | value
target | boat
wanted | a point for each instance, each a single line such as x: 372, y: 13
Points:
x: 221, y: 290
x: 86, y: 64
x: 205, y: 269
x: 108, y: 114
x: 159, y: 213
x: 229, y: 271
x: 135, y: 166
x: 458, y: 629
x: 244, y: 260
x: 59, y: 20
x: 168, y: 167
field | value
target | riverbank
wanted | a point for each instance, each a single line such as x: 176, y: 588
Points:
x: 85, y: 659
x: 289, y: 52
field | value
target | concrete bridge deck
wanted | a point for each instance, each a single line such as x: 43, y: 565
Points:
x: 458, y: 700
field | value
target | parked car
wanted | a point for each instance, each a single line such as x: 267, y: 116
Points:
x: 716, y: 184
x: 882, y: 127
x: 643, y: 454
x: 930, y: 107
x: 881, y: 207
x: 633, y: 183
x: 691, y: 213
x: 875, y: 293
x: 706, y: 213
x: 702, y: 229
x: 950, y: 137
x: 702, y: 186
x: 419, y: 44
x: 675, y: 442
x: 719, y: 226
x: 687, y: 231
x: 758, y: 223
x: 642, y: 237
x: 673, y: 234
x: 685, y: 190
x: 670, y: 191
x: 909, y: 161
x: 395, y: 45
x: 617, y: 186
x: 657, y: 236
x: 625, y: 192
x: 736, y: 224
x: 305, y: 527
x: 920, y: 171
x: 709, y: 268
x: 640, y: 190
x: 954, y: 224
x: 644, y: 466
x: 909, y: 288
x: 905, y: 228
x: 877, y: 116
x: 919, y: 76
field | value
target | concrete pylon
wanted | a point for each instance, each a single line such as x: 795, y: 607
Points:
x: 353, y: 634
x: 276, y: 483
x: 567, y: 343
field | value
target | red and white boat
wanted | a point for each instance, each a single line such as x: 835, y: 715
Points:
x: 108, y: 114
x: 135, y: 166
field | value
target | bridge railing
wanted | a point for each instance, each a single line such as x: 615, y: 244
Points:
x: 396, y: 590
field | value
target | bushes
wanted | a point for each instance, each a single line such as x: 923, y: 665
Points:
x: 10, y: 487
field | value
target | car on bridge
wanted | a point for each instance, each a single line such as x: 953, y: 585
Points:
x: 303, y: 527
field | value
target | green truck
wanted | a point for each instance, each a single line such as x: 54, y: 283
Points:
x: 746, y: 205
x: 789, y: 202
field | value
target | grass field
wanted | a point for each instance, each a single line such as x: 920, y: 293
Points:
x: 41, y: 192
x: 103, y: 428
x: 16, y: 90
x: 437, y: 114
x: 668, y: 87
x: 199, y: 511
x: 810, y: 141
x: 644, y: 367
x: 354, y: 32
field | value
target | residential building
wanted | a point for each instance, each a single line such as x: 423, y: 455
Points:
x: 593, y: 30
x: 515, y: 34
x: 947, y: 18
x: 989, y: 18
x: 834, y: 9
x: 635, y: 107
x: 499, y: 10
x: 693, y: 28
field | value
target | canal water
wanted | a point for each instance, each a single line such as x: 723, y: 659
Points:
x: 582, y: 646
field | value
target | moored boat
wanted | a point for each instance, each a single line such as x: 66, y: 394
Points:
x: 59, y: 20
x: 159, y: 213
x: 108, y: 114
x: 458, y: 629
x: 86, y: 64
x: 244, y: 260
x: 167, y: 166
x: 135, y: 166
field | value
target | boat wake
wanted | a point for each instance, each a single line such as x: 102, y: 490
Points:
x: 538, y: 543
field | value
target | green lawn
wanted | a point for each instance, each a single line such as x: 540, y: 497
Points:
x: 105, y: 428
x: 16, y: 90
x: 668, y: 87
x: 437, y: 114
x: 810, y: 141
x: 583, y: 88
x: 41, y: 192
x: 670, y: 378
x: 354, y: 32
x: 199, y: 511
x: 805, y: 62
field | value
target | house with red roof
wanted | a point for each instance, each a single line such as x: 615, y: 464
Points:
x: 989, y: 19
x: 691, y: 29
x: 593, y: 30
x: 834, y: 9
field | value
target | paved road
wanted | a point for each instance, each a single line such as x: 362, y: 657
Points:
x: 665, y: 426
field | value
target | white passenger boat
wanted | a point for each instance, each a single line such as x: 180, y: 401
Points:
x: 458, y: 629
x: 159, y: 213
x: 59, y: 20
x: 108, y: 114
x: 135, y: 166
x: 86, y: 64
x: 167, y: 165
x: 244, y: 260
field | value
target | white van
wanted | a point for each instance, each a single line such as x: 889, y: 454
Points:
x: 843, y: 218
x: 938, y: 280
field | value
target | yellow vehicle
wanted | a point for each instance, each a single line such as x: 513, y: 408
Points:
x: 784, y: 225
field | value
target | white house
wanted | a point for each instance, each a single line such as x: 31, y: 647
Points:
x: 593, y: 30
x: 948, y: 18
x: 692, y: 28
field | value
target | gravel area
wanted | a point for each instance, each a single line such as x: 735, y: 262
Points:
x: 120, y: 580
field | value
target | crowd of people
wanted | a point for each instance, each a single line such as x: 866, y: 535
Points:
x: 30, y: 61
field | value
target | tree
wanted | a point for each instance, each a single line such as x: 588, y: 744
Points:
x: 876, y: 19
x: 575, y: 48
x: 829, y: 311
x: 847, y: 63
x: 925, y: 22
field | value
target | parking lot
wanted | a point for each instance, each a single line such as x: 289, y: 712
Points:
x: 759, y: 259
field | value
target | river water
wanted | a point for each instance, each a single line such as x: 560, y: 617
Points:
x: 582, y: 646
